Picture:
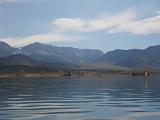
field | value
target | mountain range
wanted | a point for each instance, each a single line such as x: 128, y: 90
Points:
x: 52, y: 54
x: 134, y: 58
x: 38, y: 54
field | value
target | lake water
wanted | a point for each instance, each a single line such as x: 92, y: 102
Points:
x: 70, y: 98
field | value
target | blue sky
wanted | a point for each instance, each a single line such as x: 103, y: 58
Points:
x: 96, y: 24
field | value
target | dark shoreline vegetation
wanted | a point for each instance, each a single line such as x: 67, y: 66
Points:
x: 28, y: 71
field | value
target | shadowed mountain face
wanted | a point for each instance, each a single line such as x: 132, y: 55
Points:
x: 6, y: 50
x: 41, y: 55
x: 54, y: 54
x: 153, y: 50
x: 18, y: 59
x: 149, y: 57
x: 22, y: 62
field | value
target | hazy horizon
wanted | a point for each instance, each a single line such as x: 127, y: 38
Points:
x: 97, y: 24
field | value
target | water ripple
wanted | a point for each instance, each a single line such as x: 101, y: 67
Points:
x: 109, y: 98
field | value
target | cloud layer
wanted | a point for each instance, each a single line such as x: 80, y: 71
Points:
x: 128, y: 22
x: 43, y: 38
x: 124, y: 22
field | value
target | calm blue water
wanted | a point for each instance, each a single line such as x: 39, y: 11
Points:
x: 68, y: 98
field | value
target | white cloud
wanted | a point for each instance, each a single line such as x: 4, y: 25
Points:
x: 143, y: 27
x: 12, y: 1
x: 89, y: 25
x: 124, y: 22
x: 42, y: 38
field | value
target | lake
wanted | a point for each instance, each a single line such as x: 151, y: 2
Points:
x: 71, y: 98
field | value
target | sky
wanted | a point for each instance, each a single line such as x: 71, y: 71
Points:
x: 93, y: 24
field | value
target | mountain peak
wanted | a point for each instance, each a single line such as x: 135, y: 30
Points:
x: 153, y: 47
x: 6, y: 50
x: 4, y: 44
x: 38, y: 44
x: 34, y: 44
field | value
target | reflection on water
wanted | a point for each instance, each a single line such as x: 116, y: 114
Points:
x: 146, y: 83
x: 68, y: 98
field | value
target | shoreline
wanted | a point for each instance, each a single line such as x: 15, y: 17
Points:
x: 74, y: 73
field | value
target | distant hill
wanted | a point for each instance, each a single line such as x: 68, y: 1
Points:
x: 134, y: 58
x: 54, y: 54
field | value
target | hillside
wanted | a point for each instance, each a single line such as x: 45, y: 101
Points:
x: 67, y: 57
x: 134, y: 58
x: 6, y: 50
x: 53, y: 54
x: 18, y: 59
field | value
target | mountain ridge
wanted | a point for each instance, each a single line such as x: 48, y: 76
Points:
x: 134, y: 58
x: 53, y: 54
x: 64, y: 54
x: 49, y: 54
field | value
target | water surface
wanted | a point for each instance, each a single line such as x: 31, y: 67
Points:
x: 70, y: 98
